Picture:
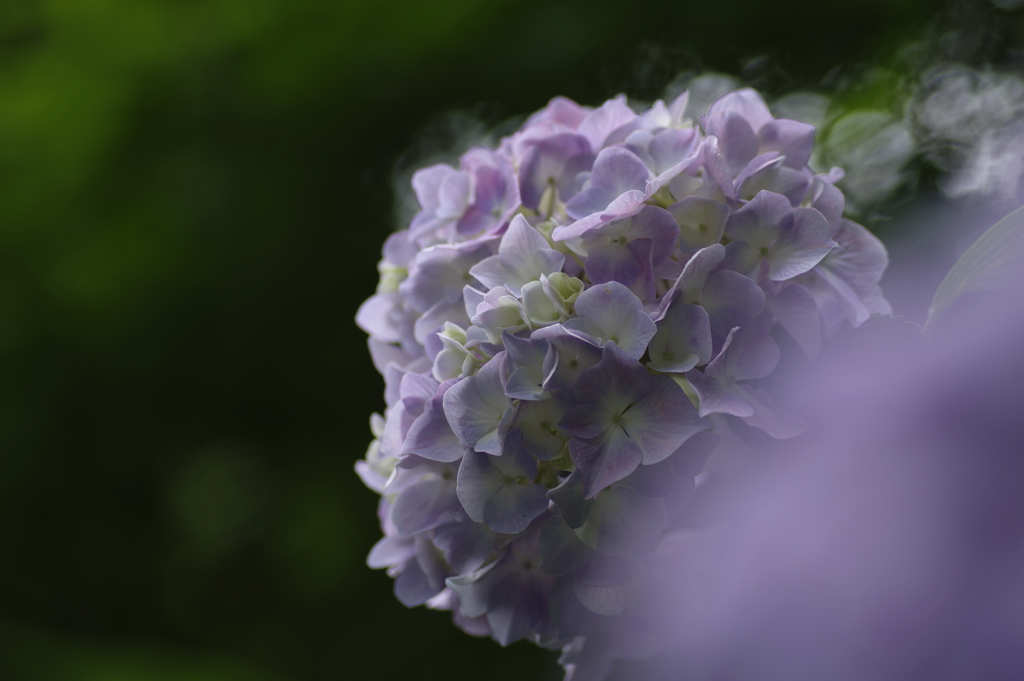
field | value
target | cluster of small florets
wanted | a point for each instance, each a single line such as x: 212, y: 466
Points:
x: 568, y: 329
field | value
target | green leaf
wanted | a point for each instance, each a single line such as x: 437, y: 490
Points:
x: 995, y: 261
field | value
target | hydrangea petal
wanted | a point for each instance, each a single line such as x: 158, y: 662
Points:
x: 730, y: 299
x: 682, y: 341
x: 516, y: 608
x: 390, y: 551
x: 759, y: 223
x: 701, y: 221
x: 530, y: 364
x: 612, y: 591
x: 425, y: 505
x: 552, y: 162
x: 801, y: 246
x: 574, y: 355
x: 605, y: 459
x: 537, y: 422
x: 514, y: 507
x: 662, y: 420
x: 797, y: 313
x: 413, y: 587
x: 430, y: 435
x: 561, y: 551
x: 523, y: 256
x: 619, y: 315
x: 466, y: 544
x: 793, y: 139
x: 736, y: 139
x: 603, y: 121
x: 476, y: 406
x: 747, y: 103
x: 568, y: 496
x: 623, y: 522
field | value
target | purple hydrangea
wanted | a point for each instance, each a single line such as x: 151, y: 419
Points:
x: 572, y: 327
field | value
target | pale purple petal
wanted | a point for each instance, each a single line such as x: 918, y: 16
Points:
x: 523, y: 256
x: 517, y: 606
x: 730, y: 299
x: 625, y: 205
x: 413, y: 587
x: 718, y: 395
x: 390, y: 551
x: 425, y: 505
x: 793, y: 139
x: 701, y: 221
x: 698, y: 268
x: 439, y: 274
x: 601, y: 122
x: 585, y: 420
x: 614, y: 383
x: 568, y: 496
x: 427, y: 182
x: 770, y: 419
x: 623, y: 522
x: 515, y: 461
x: 619, y: 315
x: 717, y: 169
x: 430, y: 435
x: 747, y: 103
x: 605, y: 459
x: 753, y: 354
x: 797, y: 313
x: 475, y: 407
x: 474, y: 589
x: 434, y: 319
x: 792, y: 184
x: 760, y: 222
x: 671, y: 147
x: 613, y: 262
x: 552, y: 161
x: 662, y: 420
x: 561, y: 551
x: 652, y: 223
x: 530, y: 364
x: 758, y: 164
x: 801, y: 246
x: 683, y: 339
x: 830, y: 202
x: 561, y: 110
x: 859, y: 258
x: 537, y: 422
x: 574, y: 355
x: 616, y: 171
x: 382, y: 317
x: 736, y: 140
x: 690, y: 458
x: 842, y: 293
x: 513, y: 507
x: 466, y: 544
x: 478, y: 481
x: 453, y: 195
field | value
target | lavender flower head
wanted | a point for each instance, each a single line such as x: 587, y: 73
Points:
x: 570, y: 328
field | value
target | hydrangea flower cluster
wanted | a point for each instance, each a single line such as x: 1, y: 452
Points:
x: 570, y: 327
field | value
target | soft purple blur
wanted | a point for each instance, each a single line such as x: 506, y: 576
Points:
x: 889, y: 543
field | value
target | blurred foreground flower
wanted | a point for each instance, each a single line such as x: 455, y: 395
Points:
x: 571, y: 326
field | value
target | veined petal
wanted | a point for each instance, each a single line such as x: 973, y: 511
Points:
x: 661, y: 421
x: 801, y: 246
x: 604, y: 459
x: 619, y: 314
x: 683, y: 339
x: 475, y: 407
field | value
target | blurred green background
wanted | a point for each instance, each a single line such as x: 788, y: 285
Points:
x: 193, y: 195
